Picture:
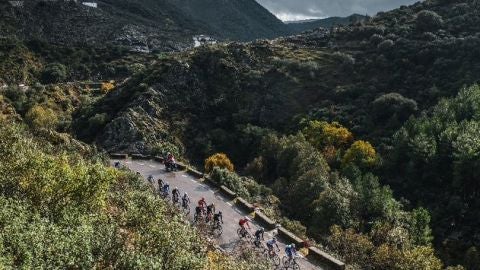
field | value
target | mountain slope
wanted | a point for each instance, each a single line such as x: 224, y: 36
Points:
x: 164, y: 25
x: 370, y: 77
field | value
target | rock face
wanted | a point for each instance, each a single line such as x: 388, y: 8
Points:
x: 143, y: 25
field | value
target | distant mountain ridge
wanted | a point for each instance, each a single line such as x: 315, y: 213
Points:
x: 304, y: 25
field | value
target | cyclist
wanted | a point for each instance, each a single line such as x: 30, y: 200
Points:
x: 175, y: 194
x: 185, y: 200
x: 270, y: 244
x: 202, y: 204
x: 170, y: 161
x: 160, y: 183
x: 150, y: 179
x: 259, y: 236
x: 166, y: 189
x: 244, y: 222
x: 217, y: 218
x: 290, y: 251
x: 198, y: 213
x: 210, y: 211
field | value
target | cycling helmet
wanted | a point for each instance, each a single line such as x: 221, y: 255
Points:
x: 247, y: 218
x: 274, y: 238
x: 220, y: 213
x: 202, y: 199
x: 212, y: 204
x: 176, y: 187
x: 186, y: 194
x: 293, y: 245
x: 262, y: 229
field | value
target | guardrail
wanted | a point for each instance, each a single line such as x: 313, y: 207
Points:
x: 314, y: 254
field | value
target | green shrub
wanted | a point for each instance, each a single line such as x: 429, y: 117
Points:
x: 39, y: 117
x: 428, y: 21
x: 54, y: 73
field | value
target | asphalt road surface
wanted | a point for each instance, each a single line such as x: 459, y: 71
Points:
x: 196, y: 190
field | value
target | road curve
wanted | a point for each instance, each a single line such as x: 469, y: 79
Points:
x: 196, y: 190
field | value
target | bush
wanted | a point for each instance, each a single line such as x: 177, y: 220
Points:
x: 362, y: 154
x: 107, y: 87
x: 393, y: 105
x: 39, y: 117
x: 54, y: 73
x: 428, y: 21
x: 218, y: 160
x: 164, y: 147
x: 58, y: 210
x: 386, y: 45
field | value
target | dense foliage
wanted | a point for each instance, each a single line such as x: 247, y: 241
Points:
x: 438, y: 157
x: 318, y: 124
x: 218, y: 160
x: 60, y: 210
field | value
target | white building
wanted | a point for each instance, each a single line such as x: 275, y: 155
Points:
x: 16, y: 3
x: 203, y: 40
x: 90, y: 4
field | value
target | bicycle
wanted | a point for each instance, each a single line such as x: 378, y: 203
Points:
x: 243, y: 233
x: 272, y: 256
x: 290, y: 263
x: 185, y: 208
x: 217, y: 229
x: 166, y: 196
x: 176, y: 200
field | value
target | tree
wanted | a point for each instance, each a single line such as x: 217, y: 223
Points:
x: 362, y: 154
x: 321, y: 134
x: 327, y: 137
x: 393, y: 105
x: 218, y: 160
x: 107, y: 87
x: 54, y: 73
x: 39, y: 117
x: 428, y: 21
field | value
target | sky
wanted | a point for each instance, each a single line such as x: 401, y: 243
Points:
x: 291, y: 10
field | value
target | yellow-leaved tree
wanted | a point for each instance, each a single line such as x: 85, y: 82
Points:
x: 218, y: 160
x: 107, y: 87
x: 39, y: 117
x: 362, y: 154
x: 327, y: 137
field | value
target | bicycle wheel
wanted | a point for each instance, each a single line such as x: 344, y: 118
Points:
x: 295, y: 265
x: 239, y: 233
x: 285, y: 261
x: 217, y: 230
x: 186, y: 209
x: 275, y: 259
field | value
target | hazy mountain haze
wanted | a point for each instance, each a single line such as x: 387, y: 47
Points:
x: 290, y: 10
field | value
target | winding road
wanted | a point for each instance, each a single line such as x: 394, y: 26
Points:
x: 196, y: 190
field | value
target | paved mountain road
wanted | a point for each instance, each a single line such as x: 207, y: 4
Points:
x: 196, y: 190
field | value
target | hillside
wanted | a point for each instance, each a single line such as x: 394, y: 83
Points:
x: 165, y: 25
x: 364, y: 137
x: 259, y: 102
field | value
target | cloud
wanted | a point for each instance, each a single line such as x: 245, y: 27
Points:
x: 310, y: 9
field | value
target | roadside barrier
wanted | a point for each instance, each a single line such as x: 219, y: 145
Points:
x: 314, y: 254
x: 227, y: 192
x: 139, y: 156
x: 264, y: 220
x: 324, y: 258
x: 119, y: 156
x: 290, y: 237
x: 195, y: 173
x: 245, y: 205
